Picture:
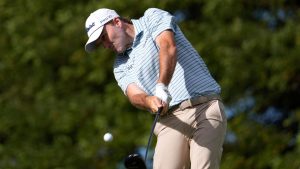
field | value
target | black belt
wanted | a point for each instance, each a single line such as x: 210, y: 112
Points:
x: 193, y: 102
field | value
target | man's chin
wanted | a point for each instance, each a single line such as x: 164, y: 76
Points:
x: 119, y: 52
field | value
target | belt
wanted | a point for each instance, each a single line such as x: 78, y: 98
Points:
x: 193, y: 102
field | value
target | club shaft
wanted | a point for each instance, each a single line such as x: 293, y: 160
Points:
x: 152, y: 130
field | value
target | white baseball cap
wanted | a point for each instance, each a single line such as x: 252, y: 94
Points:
x: 94, y: 25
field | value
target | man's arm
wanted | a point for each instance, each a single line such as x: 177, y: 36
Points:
x: 167, y: 56
x: 141, y: 99
x: 167, y: 63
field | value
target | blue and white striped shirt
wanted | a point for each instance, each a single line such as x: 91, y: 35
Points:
x: 140, y: 63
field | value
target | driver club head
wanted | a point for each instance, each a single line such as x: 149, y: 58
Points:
x: 134, y: 161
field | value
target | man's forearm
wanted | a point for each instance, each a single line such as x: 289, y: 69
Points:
x: 167, y: 63
x: 139, y: 101
x: 167, y: 56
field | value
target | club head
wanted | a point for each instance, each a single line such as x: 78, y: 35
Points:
x: 134, y: 161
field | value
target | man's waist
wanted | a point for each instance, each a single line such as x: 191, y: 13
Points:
x: 193, y: 102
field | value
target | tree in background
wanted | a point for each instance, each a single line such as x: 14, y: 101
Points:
x: 56, y: 101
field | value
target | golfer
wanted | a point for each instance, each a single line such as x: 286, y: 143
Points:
x: 156, y: 66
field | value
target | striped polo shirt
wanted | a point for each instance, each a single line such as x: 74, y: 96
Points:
x: 140, y: 63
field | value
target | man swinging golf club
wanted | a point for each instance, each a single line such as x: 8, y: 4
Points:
x: 157, y: 67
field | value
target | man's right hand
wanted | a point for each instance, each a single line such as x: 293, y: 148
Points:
x: 142, y: 100
x: 154, y: 103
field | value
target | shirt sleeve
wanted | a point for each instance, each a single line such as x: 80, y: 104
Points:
x: 122, y: 76
x: 158, y: 21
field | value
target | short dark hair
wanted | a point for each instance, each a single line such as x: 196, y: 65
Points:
x: 126, y: 20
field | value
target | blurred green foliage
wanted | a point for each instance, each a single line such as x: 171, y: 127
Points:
x: 56, y: 101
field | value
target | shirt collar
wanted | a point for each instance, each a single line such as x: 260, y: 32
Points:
x: 138, y: 29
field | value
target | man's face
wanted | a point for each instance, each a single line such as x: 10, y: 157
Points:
x: 113, y: 37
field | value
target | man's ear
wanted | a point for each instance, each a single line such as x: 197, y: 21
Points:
x: 117, y: 22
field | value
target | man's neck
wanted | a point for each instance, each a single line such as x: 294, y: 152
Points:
x: 129, y: 29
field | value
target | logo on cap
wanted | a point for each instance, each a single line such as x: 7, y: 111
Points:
x: 105, y: 19
x: 90, y: 27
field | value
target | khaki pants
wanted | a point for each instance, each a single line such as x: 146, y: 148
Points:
x: 191, y: 138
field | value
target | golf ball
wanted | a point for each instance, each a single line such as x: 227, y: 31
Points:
x: 108, y: 137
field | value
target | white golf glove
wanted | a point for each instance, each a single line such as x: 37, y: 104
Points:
x: 162, y: 92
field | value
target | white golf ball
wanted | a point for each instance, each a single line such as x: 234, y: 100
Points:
x: 108, y: 137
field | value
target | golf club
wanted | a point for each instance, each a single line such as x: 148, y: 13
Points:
x: 152, y: 130
x: 134, y: 161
